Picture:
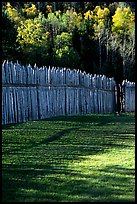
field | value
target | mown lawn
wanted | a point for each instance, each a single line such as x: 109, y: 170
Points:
x: 84, y: 158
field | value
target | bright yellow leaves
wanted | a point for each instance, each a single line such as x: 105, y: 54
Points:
x: 123, y: 21
x: 88, y: 15
x: 30, y: 32
x: 13, y: 14
x: 73, y: 18
x: 97, y: 13
x: 16, y: 17
x: 101, y: 19
x: 100, y: 13
x: 30, y: 11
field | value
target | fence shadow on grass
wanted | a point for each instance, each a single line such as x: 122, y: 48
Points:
x: 107, y: 184
x: 98, y: 119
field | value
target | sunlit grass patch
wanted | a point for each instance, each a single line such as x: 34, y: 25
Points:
x: 70, y: 158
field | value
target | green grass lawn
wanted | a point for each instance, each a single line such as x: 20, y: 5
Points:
x: 84, y: 158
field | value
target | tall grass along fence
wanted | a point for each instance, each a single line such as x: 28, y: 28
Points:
x: 129, y: 96
x: 38, y: 93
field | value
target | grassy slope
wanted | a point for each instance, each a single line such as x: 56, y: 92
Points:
x: 70, y: 158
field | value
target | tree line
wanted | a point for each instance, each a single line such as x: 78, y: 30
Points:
x: 96, y: 37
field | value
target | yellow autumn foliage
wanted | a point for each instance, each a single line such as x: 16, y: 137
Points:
x: 13, y: 14
x: 123, y: 20
x: 88, y: 15
x: 31, y: 11
x: 31, y: 32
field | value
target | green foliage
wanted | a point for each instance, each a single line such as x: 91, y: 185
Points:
x: 63, y: 40
x: 33, y: 39
x: 53, y: 20
x: 64, y: 52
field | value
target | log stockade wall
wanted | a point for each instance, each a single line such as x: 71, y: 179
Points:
x: 129, y: 96
x: 39, y: 93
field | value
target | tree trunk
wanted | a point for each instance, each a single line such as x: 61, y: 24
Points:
x: 107, y: 47
x: 124, y: 59
x: 100, y: 61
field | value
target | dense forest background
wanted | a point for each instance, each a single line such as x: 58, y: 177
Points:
x: 96, y: 37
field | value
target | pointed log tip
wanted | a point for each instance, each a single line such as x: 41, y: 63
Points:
x: 4, y: 62
x: 35, y: 65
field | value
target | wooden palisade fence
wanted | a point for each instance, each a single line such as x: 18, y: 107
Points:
x: 38, y: 93
x: 129, y: 96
